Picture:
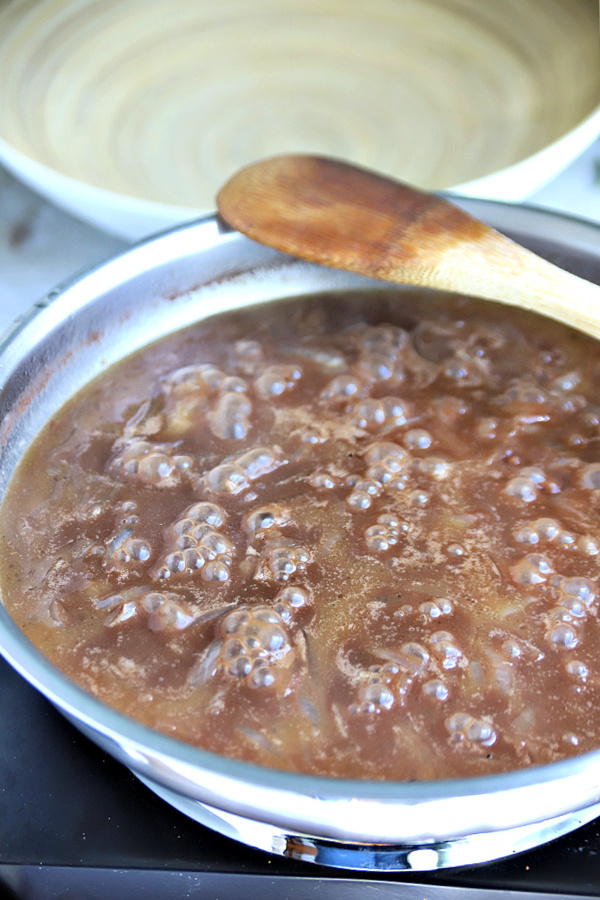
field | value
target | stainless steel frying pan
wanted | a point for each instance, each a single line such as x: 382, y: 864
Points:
x: 157, y: 287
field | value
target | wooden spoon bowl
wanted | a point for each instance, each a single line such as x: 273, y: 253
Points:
x: 340, y: 215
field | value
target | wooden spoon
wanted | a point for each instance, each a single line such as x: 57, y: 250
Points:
x: 337, y: 214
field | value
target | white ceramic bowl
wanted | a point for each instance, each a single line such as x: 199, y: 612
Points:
x: 131, y: 113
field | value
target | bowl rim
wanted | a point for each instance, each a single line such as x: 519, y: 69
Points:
x: 131, y: 217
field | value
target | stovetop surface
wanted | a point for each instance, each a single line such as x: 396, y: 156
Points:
x: 74, y: 822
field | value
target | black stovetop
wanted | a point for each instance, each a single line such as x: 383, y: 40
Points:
x: 76, y: 824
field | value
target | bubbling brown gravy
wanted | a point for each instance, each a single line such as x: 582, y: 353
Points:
x: 354, y: 535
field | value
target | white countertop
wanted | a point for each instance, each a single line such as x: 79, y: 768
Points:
x: 41, y: 246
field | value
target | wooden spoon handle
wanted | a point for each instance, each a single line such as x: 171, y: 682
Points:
x: 340, y: 215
